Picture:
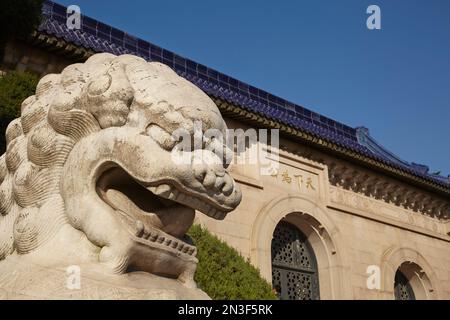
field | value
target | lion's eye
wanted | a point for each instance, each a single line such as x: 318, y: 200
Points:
x: 161, y: 136
x: 100, y: 85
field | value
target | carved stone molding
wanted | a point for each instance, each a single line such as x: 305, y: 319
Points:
x: 383, y: 188
x: 348, y: 200
x: 348, y: 176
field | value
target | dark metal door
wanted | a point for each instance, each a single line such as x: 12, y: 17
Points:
x: 402, y: 288
x: 294, y: 266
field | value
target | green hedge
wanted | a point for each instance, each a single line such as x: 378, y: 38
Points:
x: 14, y: 88
x: 223, y: 273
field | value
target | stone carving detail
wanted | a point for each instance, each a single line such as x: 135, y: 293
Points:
x: 87, y: 177
x: 368, y: 205
x: 351, y: 199
x: 387, y: 190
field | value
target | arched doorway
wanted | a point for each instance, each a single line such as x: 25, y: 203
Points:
x: 407, y: 275
x: 322, y: 234
x: 294, y: 265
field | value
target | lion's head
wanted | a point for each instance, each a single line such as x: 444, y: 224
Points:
x: 93, y: 149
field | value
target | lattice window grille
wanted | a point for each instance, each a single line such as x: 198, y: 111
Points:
x: 402, y: 287
x: 294, y: 268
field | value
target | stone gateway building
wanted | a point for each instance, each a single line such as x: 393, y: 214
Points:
x: 340, y: 217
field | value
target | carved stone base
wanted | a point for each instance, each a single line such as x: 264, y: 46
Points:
x: 23, y: 279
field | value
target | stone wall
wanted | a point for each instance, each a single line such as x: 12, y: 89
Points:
x: 348, y: 231
x: 22, y: 56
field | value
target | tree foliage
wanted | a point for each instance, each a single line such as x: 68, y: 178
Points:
x: 223, y: 273
x: 18, y: 18
x: 14, y: 88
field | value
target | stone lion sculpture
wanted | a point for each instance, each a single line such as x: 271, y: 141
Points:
x: 88, y: 180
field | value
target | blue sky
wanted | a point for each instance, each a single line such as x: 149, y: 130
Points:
x: 319, y: 54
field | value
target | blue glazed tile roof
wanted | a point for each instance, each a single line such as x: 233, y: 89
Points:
x: 99, y: 37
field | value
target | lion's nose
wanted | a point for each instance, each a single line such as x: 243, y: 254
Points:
x: 214, y: 178
x: 222, y: 151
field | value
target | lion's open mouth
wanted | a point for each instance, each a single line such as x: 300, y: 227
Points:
x: 157, y: 215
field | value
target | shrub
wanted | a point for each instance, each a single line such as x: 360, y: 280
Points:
x: 14, y: 88
x: 223, y: 273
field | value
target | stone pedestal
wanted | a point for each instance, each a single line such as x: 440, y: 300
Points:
x: 24, y: 279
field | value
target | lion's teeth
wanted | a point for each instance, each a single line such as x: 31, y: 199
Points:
x: 162, y: 190
x: 153, y: 237
x: 139, y: 229
x: 195, y: 202
x: 173, y: 194
x: 182, y: 197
